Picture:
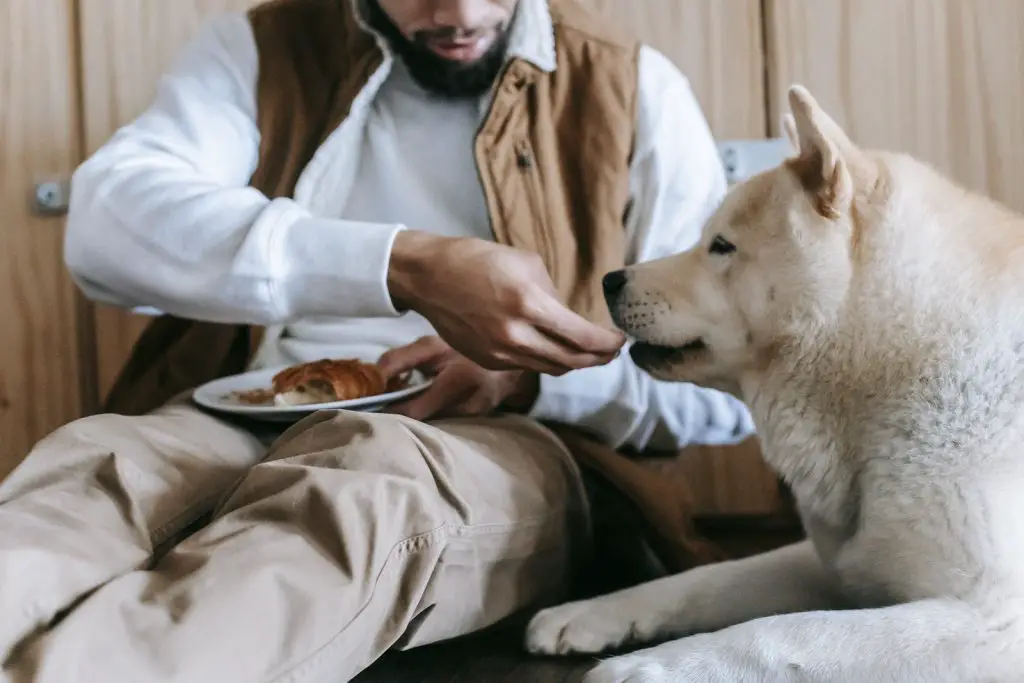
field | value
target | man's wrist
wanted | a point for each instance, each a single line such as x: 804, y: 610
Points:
x: 525, y: 393
x: 410, y: 253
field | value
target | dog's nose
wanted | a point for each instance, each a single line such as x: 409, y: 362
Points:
x: 613, y: 283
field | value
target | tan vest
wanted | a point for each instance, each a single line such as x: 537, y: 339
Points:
x: 553, y: 154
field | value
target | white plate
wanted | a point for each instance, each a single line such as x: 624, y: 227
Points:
x: 217, y: 395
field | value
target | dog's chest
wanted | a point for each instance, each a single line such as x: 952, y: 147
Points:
x: 802, y: 442
x: 865, y: 578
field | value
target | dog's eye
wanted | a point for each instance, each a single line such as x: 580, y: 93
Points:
x: 720, y: 245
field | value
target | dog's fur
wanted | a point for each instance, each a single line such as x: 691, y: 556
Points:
x: 869, y: 312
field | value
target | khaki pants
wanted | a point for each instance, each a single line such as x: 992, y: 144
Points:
x: 354, y: 534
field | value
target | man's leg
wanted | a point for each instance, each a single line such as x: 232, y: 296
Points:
x: 359, y: 533
x: 93, y: 500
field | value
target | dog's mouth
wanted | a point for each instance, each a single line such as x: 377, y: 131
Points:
x: 647, y: 354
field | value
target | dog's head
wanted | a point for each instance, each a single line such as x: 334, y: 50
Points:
x: 774, y: 261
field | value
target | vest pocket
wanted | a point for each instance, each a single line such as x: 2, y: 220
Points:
x: 529, y: 176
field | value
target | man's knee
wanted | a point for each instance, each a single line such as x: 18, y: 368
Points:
x: 79, y: 447
x: 163, y: 466
x: 463, y: 453
x: 360, y: 442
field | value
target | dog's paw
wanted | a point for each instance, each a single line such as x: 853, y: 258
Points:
x: 585, y: 627
x: 630, y: 669
x: 705, y: 658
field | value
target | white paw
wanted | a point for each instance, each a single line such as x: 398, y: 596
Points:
x: 630, y: 669
x: 585, y: 627
x: 697, y: 659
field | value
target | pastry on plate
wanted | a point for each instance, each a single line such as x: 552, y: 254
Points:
x: 323, y: 381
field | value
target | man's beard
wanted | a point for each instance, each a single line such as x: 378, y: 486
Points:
x: 435, y: 74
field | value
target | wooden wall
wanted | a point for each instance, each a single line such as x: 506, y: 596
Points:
x: 938, y: 78
x: 41, y: 367
x: 119, y: 79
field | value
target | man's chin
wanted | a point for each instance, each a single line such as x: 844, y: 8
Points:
x: 456, y: 73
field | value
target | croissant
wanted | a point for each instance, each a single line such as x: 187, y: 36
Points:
x: 327, y: 380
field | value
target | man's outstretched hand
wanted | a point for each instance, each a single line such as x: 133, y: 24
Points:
x: 494, y: 304
x: 461, y: 388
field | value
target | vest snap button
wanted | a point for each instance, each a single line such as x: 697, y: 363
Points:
x: 523, y: 159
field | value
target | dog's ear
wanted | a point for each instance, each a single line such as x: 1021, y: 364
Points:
x: 825, y: 157
x: 789, y: 130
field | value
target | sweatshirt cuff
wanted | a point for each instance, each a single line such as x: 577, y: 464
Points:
x: 334, y: 268
x: 626, y: 407
x: 590, y: 398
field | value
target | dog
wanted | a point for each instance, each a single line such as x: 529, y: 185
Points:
x: 870, y: 313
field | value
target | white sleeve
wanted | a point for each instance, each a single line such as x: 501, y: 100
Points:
x: 677, y: 180
x: 162, y: 214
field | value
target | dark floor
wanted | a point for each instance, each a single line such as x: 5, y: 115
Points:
x: 494, y: 658
x: 498, y: 657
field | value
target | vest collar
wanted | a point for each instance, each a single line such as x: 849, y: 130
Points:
x: 532, y: 38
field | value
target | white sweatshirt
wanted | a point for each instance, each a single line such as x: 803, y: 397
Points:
x: 161, y: 216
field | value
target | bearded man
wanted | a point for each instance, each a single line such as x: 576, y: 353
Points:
x: 443, y: 183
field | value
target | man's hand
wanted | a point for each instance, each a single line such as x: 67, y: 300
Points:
x: 494, y: 304
x: 461, y: 388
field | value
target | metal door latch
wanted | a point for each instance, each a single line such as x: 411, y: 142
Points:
x: 744, y: 158
x: 51, y: 197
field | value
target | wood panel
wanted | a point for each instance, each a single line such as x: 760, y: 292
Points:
x: 126, y: 46
x: 39, y: 307
x: 937, y: 78
x: 718, y: 45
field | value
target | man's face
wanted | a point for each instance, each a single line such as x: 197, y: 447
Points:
x: 453, y: 48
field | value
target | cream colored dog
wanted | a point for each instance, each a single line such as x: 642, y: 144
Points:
x: 871, y: 314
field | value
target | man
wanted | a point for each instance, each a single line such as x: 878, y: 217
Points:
x: 361, y: 178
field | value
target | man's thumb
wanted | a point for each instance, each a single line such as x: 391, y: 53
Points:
x: 425, y: 351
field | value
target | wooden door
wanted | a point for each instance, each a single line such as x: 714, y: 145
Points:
x: 717, y: 44
x: 940, y: 79
x: 41, y: 372
x: 126, y: 46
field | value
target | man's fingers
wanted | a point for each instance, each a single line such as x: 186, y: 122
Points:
x: 536, y: 352
x: 582, y: 335
x: 572, y: 360
x: 516, y: 355
x: 575, y: 331
x: 533, y: 349
x: 449, y: 388
x: 425, y: 351
x: 476, y: 403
